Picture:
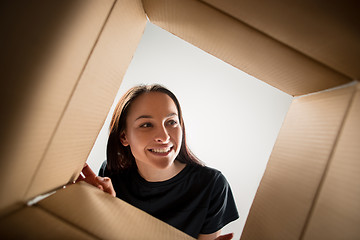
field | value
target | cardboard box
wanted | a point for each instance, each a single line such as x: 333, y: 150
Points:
x: 64, y: 61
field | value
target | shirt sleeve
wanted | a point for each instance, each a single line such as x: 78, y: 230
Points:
x: 222, y: 209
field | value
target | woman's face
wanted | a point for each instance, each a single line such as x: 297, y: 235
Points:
x: 153, y: 130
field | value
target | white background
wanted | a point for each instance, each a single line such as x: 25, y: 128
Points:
x: 232, y: 119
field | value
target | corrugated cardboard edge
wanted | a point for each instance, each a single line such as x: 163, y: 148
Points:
x: 336, y: 210
x: 41, y: 83
x: 297, y: 164
x: 243, y: 46
x: 35, y: 223
x: 106, y: 217
x: 327, y: 32
x: 91, y: 100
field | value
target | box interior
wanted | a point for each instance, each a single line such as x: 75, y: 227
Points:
x: 67, y: 79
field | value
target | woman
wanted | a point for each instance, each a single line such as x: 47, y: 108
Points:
x: 150, y: 166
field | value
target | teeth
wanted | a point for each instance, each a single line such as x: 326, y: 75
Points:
x: 161, y: 150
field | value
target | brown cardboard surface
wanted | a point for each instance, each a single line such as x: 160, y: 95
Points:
x: 106, y: 217
x: 336, y: 213
x: 243, y: 46
x: 296, y: 166
x: 92, y: 98
x: 34, y: 223
x: 63, y: 62
x: 326, y: 31
x: 44, y: 47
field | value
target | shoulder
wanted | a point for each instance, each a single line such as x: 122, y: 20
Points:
x: 205, y: 170
x: 208, y: 174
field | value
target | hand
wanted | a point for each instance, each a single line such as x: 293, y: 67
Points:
x: 103, y: 183
x: 215, y: 236
x: 225, y: 237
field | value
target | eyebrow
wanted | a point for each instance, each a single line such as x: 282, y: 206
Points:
x: 149, y: 116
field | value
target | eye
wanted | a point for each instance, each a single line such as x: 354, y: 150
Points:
x: 172, y: 122
x: 145, y: 125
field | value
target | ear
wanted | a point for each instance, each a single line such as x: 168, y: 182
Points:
x: 123, y: 139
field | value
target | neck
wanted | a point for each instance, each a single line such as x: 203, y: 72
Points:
x: 153, y: 174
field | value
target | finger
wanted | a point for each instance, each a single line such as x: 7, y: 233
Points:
x: 80, y: 178
x: 109, y: 188
x: 225, y: 237
x: 88, y: 176
x: 88, y: 172
x: 106, y: 183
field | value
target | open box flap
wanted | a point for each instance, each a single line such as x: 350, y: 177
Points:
x: 35, y: 223
x: 336, y: 210
x: 106, y: 217
x: 92, y: 98
x: 243, y: 46
x: 297, y: 165
x: 47, y: 141
x: 328, y: 32
x: 46, y: 45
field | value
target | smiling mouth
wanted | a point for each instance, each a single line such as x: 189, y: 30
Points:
x: 161, y: 150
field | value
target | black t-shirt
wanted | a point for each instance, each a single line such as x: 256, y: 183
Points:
x: 198, y: 200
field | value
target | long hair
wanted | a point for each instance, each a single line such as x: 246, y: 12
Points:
x: 120, y: 157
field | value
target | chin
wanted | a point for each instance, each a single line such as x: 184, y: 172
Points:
x: 162, y: 164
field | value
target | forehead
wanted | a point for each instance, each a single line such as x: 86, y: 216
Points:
x: 152, y: 103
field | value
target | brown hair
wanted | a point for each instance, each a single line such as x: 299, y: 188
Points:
x: 120, y: 157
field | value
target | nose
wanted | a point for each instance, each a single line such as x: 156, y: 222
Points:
x: 162, y: 135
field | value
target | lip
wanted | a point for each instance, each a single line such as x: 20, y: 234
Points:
x: 170, y: 148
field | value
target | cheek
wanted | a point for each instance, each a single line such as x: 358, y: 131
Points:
x: 178, y: 135
x: 136, y: 139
